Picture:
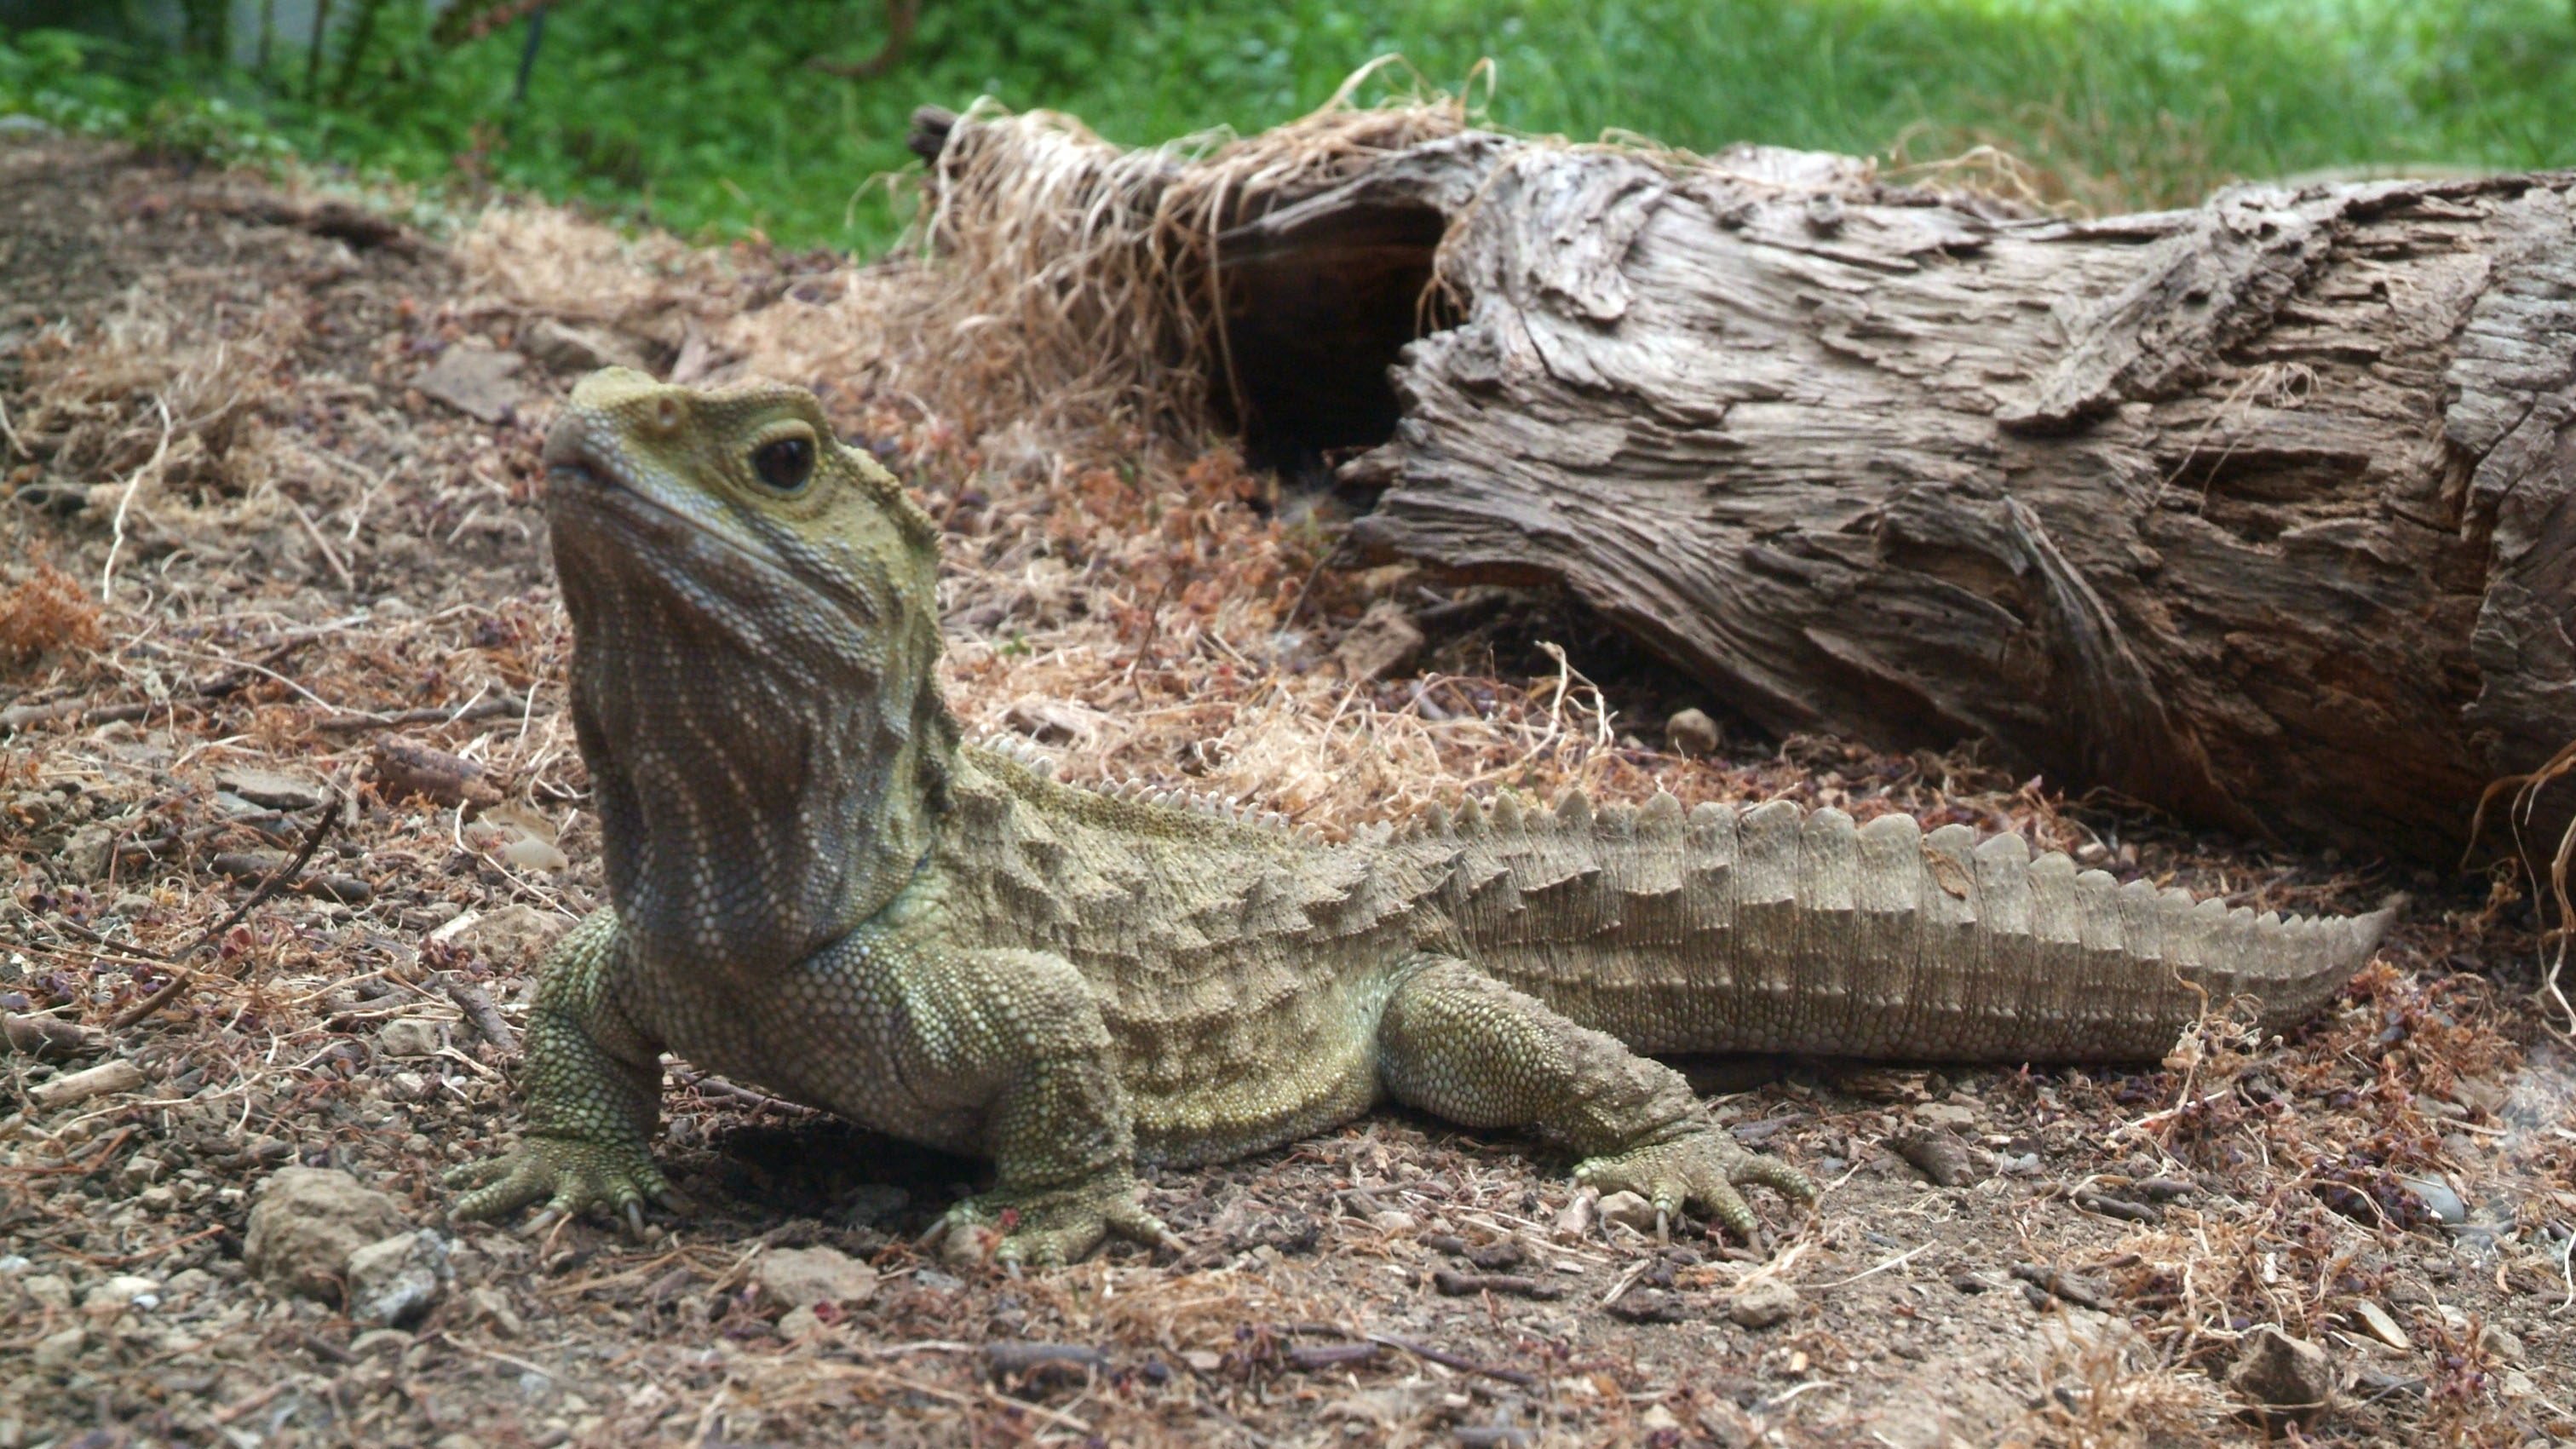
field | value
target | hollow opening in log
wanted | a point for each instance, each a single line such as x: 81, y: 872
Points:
x: 1314, y: 319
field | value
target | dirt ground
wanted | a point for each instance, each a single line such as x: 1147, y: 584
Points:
x: 257, y: 558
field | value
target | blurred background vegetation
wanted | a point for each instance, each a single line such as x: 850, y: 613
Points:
x: 721, y: 118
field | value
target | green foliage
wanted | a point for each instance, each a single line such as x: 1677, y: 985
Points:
x: 700, y: 115
x: 80, y: 83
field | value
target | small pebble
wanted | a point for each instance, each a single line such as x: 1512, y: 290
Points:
x: 1762, y: 1304
x: 1628, y: 1210
x: 2438, y: 1198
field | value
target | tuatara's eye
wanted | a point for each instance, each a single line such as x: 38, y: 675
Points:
x: 784, y: 464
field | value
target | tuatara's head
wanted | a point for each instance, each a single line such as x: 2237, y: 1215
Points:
x: 755, y: 629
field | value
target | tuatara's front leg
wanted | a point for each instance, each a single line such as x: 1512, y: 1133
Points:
x: 594, y: 1091
x: 1003, y: 1053
x: 1458, y: 1043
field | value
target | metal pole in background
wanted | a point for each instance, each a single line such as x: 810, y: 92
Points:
x: 528, y: 55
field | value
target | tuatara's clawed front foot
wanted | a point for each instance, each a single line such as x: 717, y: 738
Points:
x: 573, y: 1176
x: 1050, y: 1227
x: 1699, y: 1167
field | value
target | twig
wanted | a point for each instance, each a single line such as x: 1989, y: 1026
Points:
x: 1153, y: 624
x: 484, y: 709
x: 1865, y: 1272
x: 22, y: 716
x: 94, y: 938
x: 706, y: 1425
x: 1308, y: 586
x: 2567, y: 1268
x: 709, y: 1086
x: 477, y: 1005
x: 919, y: 1345
x: 1460, y: 1362
x: 1627, y: 1280
x: 83, y: 953
x: 126, y: 1260
x: 330, y: 555
x: 133, y: 484
x: 276, y: 881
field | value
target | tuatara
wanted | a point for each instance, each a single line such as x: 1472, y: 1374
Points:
x: 816, y: 886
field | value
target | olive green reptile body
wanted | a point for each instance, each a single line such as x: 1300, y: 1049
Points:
x: 816, y: 887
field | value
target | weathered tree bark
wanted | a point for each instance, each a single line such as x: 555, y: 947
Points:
x: 2258, y: 512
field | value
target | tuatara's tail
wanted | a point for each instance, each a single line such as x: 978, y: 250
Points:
x: 1777, y: 930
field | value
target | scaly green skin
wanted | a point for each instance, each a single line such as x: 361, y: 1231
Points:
x: 817, y: 888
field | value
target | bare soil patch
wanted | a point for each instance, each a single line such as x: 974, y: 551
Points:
x: 253, y: 566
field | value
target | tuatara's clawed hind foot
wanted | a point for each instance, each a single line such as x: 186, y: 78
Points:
x: 1700, y: 1167
x: 572, y: 1175
x: 1050, y: 1227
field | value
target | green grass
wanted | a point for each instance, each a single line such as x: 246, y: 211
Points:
x: 699, y: 115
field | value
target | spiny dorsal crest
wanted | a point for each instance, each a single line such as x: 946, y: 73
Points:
x: 1043, y: 765
x: 1020, y: 752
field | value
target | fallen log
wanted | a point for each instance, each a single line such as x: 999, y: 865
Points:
x: 2257, y: 512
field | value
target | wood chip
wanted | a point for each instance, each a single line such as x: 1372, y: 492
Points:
x: 98, y: 1081
x: 404, y: 767
x: 1940, y: 1156
x: 2381, y: 1325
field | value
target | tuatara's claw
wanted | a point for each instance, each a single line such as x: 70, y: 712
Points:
x: 1052, y: 1226
x: 1700, y: 1167
x: 571, y: 1175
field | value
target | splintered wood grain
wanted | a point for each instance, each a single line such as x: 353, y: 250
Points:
x: 2257, y: 512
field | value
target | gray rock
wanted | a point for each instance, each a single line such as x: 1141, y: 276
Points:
x: 1628, y: 1210
x: 307, y: 1222
x: 55, y: 1350
x: 1648, y: 1305
x: 2283, y: 1377
x: 49, y: 1038
x: 115, y: 1295
x: 474, y: 380
x: 2438, y: 1198
x: 1763, y: 1304
x: 188, y: 1281
x: 1693, y: 735
x: 85, y: 850
x: 493, y: 1304
x: 394, y: 1283
x: 411, y: 1036
x: 801, y: 1277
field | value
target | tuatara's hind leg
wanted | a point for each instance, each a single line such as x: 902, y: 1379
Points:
x: 1461, y: 1044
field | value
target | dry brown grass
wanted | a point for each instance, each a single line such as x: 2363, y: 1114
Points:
x: 44, y: 613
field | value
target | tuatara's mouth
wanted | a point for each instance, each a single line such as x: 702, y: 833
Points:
x: 574, y: 473
x: 642, y: 530
x: 578, y: 481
